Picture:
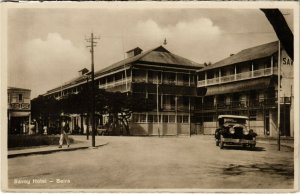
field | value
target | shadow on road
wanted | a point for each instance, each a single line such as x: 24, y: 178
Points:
x: 233, y: 147
x: 271, y: 169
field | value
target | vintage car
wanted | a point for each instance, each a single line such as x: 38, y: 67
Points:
x: 234, y: 130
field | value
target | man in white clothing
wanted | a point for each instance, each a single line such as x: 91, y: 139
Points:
x: 64, y: 134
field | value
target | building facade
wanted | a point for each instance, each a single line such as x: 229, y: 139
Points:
x: 168, y: 79
x: 189, y: 96
x: 18, y: 112
x: 247, y: 84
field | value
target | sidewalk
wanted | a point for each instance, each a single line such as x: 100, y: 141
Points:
x: 53, y: 148
x: 284, y: 141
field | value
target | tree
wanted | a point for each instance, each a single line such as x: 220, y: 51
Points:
x: 44, y: 109
x: 120, y: 106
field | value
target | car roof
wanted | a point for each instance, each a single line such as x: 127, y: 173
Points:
x: 232, y: 116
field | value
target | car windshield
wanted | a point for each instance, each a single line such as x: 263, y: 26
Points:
x: 234, y: 121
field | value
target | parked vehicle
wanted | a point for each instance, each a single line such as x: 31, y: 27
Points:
x: 234, y: 130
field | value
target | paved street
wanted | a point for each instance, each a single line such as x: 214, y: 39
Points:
x: 152, y: 162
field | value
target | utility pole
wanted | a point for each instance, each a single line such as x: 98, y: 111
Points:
x: 92, y: 42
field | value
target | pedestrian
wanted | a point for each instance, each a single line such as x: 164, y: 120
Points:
x: 64, y: 134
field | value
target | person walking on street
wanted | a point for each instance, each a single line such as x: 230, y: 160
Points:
x: 64, y: 134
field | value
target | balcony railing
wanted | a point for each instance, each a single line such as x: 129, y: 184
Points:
x: 166, y: 82
x: 237, y: 77
x: 115, y: 83
x: 20, y: 106
x: 238, y: 104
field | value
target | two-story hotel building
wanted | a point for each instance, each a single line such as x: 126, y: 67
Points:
x: 168, y: 79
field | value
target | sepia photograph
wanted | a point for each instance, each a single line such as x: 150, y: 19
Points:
x: 150, y: 97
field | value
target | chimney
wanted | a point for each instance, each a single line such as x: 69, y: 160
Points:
x: 134, y: 52
x: 83, y: 71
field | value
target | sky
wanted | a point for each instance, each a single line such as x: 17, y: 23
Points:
x: 47, y: 47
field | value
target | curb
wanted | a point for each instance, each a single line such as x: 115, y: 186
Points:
x: 281, y: 145
x: 13, y: 155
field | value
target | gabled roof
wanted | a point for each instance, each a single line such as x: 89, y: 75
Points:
x: 157, y: 55
x: 249, y: 54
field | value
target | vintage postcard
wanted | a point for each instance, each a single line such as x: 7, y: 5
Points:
x: 150, y: 97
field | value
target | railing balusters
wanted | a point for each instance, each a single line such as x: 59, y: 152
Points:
x: 239, y: 76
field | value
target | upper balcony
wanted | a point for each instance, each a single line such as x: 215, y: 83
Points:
x: 237, y: 77
x: 115, y: 83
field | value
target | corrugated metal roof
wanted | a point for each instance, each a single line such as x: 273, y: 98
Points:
x: 157, y: 55
x: 168, y: 58
x: 249, y: 54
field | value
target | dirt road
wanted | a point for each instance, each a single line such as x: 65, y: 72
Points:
x: 157, y: 163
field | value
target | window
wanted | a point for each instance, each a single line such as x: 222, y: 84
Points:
x: 179, y: 118
x: 20, y: 97
x: 151, y: 77
x: 169, y: 78
x: 150, y: 118
x: 142, y: 118
x: 185, y: 78
x: 185, y: 101
x: 110, y: 79
x: 165, y: 118
x: 185, y: 118
x: 135, y: 118
x: 252, y: 116
x: 155, y: 118
x: 172, y: 101
x: 171, y: 118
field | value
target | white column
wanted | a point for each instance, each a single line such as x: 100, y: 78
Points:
x: 220, y: 75
x: 252, y: 69
x: 125, y: 74
x: 235, y: 72
x: 205, y: 77
x: 272, y: 64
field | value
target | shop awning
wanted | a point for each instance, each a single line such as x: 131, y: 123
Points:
x: 246, y: 85
x: 19, y: 114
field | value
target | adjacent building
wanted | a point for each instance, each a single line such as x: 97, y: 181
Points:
x: 246, y: 83
x: 18, y: 112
